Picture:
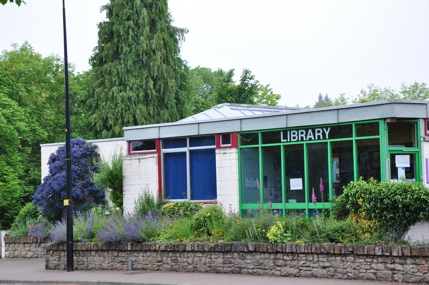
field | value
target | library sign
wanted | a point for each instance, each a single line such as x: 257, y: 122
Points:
x: 305, y: 134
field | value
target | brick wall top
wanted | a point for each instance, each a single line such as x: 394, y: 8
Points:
x: 340, y: 249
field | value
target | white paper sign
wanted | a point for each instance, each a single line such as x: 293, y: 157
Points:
x: 296, y: 184
x: 402, y: 160
x: 401, y: 173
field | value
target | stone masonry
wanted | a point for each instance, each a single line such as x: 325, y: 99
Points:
x: 360, y: 262
x: 25, y: 247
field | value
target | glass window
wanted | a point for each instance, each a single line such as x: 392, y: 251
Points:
x: 143, y: 145
x: 175, y: 175
x: 271, y: 137
x: 317, y: 164
x: 295, y: 180
x: 370, y: 129
x: 368, y: 152
x: 249, y: 139
x: 402, y: 134
x: 339, y: 132
x: 202, y: 141
x: 403, y: 166
x: 174, y: 143
x: 272, y: 182
x: 203, y: 174
x: 342, y: 165
x: 225, y: 139
x: 250, y: 175
x: 190, y: 171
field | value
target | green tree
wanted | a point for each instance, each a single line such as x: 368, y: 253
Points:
x: 266, y: 96
x: 202, y: 84
x: 18, y: 2
x: 36, y: 84
x: 323, y: 101
x: 13, y: 131
x: 414, y: 91
x: 139, y: 77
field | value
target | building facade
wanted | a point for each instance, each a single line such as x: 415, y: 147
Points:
x: 287, y: 159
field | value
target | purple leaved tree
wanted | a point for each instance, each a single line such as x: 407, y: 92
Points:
x: 85, y: 192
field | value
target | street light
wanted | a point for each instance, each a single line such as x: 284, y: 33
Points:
x: 68, y: 202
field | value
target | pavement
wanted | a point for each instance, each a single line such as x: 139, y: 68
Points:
x: 32, y: 271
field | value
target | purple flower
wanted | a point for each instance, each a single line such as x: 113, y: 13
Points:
x: 313, y: 198
x: 270, y: 204
x: 321, y: 185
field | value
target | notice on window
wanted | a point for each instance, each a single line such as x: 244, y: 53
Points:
x: 402, y: 161
x: 296, y: 184
x: 401, y: 173
x: 251, y: 183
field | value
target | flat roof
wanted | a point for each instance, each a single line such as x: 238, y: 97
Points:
x: 281, y: 118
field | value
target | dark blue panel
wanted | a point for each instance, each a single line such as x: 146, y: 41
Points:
x: 203, y: 174
x: 202, y: 141
x: 174, y: 143
x: 175, y: 175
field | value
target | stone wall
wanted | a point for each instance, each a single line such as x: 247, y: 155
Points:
x: 364, y: 262
x: 25, y: 247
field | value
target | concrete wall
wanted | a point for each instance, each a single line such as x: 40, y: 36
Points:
x: 418, y: 233
x: 140, y: 174
x: 227, y: 178
x: 105, y: 148
x: 2, y: 244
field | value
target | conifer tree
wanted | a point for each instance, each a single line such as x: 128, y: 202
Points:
x: 139, y: 77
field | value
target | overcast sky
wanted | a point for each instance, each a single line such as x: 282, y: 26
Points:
x: 301, y: 48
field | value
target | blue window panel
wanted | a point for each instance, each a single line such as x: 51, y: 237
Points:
x: 175, y: 175
x: 174, y: 143
x: 203, y: 174
x: 202, y: 141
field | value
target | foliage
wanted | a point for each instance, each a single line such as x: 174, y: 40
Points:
x: 181, y: 209
x: 18, y: 2
x: 180, y: 230
x: 288, y: 229
x: 85, y: 192
x: 209, y: 220
x: 138, y: 75
x: 111, y: 177
x: 112, y: 230
x: 58, y: 232
x: 146, y: 203
x: 140, y: 228
x: 323, y: 101
x: 13, y: 130
x: 393, y: 206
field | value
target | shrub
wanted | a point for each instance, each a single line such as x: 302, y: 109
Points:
x: 181, y: 209
x: 51, y: 193
x: 111, y: 177
x: 180, y: 230
x: 58, y: 232
x: 144, y: 228
x: 288, y: 229
x: 146, y: 203
x: 210, y: 221
x: 394, y: 206
x: 112, y: 230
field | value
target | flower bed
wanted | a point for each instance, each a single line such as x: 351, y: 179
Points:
x: 359, y: 262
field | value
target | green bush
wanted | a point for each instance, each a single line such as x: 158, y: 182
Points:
x: 180, y: 230
x: 209, y: 221
x: 146, y: 203
x: 111, y: 177
x: 25, y: 220
x: 394, y: 207
x: 181, y: 209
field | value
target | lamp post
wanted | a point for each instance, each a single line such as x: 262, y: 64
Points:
x: 68, y: 202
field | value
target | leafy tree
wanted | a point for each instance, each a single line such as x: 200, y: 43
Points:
x: 36, y: 84
x: 266, y: 96
x: 18, y: 2
x: 323, y: 101
x: 85, y: 192
x: 13, y: 130
x: 341, y: 100
x: 203, y: 82
x: 139, y: 77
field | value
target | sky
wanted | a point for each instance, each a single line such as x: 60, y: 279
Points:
x: 301, y: 48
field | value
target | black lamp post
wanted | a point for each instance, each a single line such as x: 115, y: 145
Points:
x: 68, y: 202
